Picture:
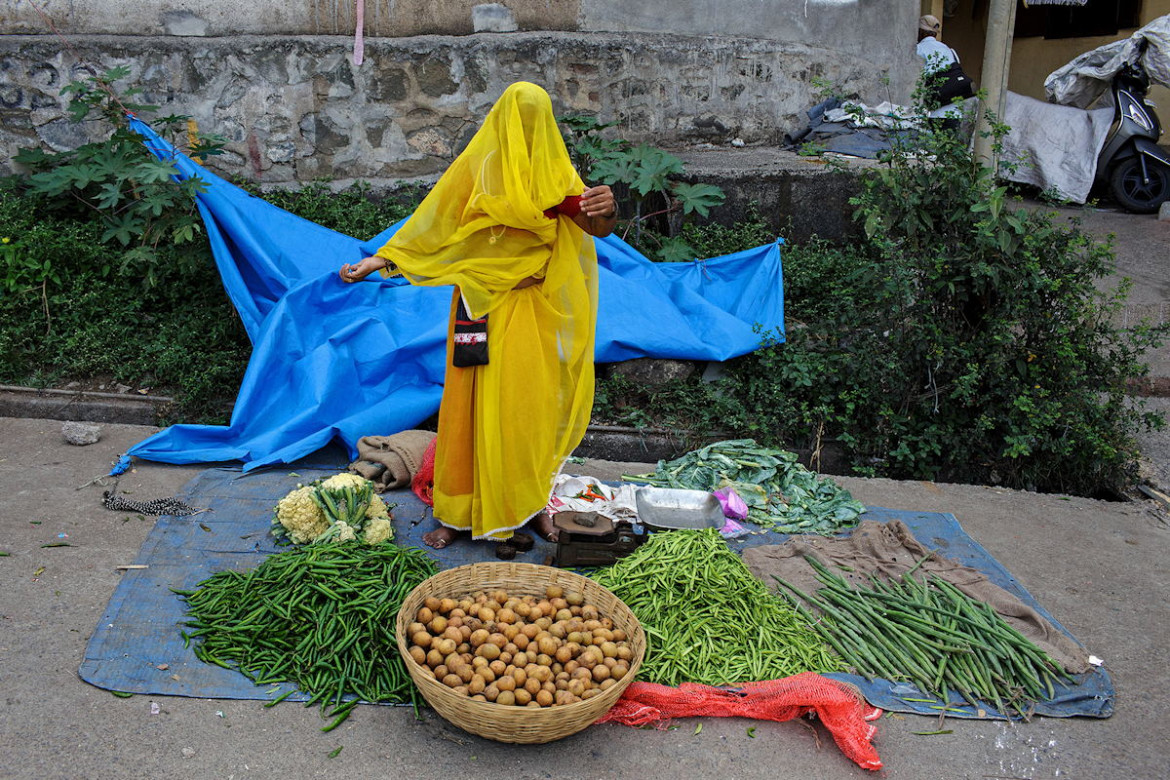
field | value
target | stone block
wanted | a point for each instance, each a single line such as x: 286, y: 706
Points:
x: 80, y: 434
x: 434, y: 78
x: 493, y: 17
x: 653, y: 371
x: 1164, y: 212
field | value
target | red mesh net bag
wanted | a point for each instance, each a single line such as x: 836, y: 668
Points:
x: 423, y: 483
x: 839, y: 706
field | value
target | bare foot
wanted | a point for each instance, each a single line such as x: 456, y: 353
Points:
x: 542, y: 524
x: 440, y: 537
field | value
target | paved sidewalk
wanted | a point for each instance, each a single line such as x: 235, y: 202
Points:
x: 1098, y: 567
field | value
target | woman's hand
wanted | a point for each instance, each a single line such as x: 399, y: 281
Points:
x: 355, y: 273
x: 598, y: 202
x: 598, y: 215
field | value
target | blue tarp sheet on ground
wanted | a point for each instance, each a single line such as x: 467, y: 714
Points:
x: 139, y: 631
x: 333, y: 360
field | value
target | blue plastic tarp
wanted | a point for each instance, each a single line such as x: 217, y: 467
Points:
x: 332, y: 360
x: 140, y: 629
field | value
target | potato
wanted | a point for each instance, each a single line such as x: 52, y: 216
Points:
x: 520, y: 641
x: 506, y: 616
x: 574, y: 598
x: 425, y: 615
x: 486, y: 614
x: 507, y: 698
x: 418, y: 655
x: 487, y: 674
x: 434, y: 658
x: 609, y: 649
x: 478, y: 637
x: 558, y: 605
x: 422, y: 638
x: 600, y: 672
x: 446, y: 646
x: 441, y: 671
x: 453, y: 634
x: 506, y: 683
x: 522, y: 697
x: 497, y: 639
x: 491, y: 692
x: 554, y: 591
x: 498, y: 667
x: 607, y: 684
x: 563, y: 614
x: 438, y: 625
x: 477, y: 685
x: 452, y: 681
x: 488, y: 651
x: 544, y: 699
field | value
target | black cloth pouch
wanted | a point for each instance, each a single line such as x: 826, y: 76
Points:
x: 469, y: 346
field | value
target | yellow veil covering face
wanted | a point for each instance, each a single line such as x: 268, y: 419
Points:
x: 506, y: 427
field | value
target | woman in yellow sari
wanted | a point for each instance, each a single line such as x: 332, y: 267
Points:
x: 507, y: 224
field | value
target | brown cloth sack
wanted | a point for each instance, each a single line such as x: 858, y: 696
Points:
x: 390, y: 462
x: 888, y: 550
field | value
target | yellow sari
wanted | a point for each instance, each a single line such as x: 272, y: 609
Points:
x: 506, y: 427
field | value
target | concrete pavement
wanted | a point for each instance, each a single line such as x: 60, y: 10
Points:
x: 1097, y: 566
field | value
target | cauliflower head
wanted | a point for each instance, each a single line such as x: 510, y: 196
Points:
x: 300, y: 516
x: 345, y: 532
x: 344, y: 480
x: 376, y: 508
x: 378, y: 530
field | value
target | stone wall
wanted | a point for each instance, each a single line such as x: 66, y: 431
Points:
x: 295, y: 108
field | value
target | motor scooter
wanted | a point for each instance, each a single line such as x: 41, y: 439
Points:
x: 1135, y: 168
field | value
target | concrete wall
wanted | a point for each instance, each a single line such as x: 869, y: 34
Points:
x: 215, y: 18
x: 297, y: 108
x: 878, y: 29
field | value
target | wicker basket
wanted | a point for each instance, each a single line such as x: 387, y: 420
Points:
x: 502, y: 723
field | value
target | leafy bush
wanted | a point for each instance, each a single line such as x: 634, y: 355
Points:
x: 965, y: 341
x: 121, y: 183
x: 644, y: 175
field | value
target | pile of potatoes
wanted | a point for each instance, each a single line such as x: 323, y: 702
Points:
x: 520, y: 651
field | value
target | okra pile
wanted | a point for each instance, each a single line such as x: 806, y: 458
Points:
x: 706, y: 618
x: 321, y: 617
x: 928, y: 632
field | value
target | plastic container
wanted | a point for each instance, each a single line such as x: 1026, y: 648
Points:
x: 669, y: 509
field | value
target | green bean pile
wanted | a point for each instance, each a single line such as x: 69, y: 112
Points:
x: 931, y: 634
x: 707, y: 619
x: 319, y: 616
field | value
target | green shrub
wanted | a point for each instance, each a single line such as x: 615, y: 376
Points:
x: 965, y: 341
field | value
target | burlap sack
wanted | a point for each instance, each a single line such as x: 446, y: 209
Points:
x: 390, y: 462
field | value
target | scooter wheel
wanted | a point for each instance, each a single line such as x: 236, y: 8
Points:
x: 1138, y: 195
